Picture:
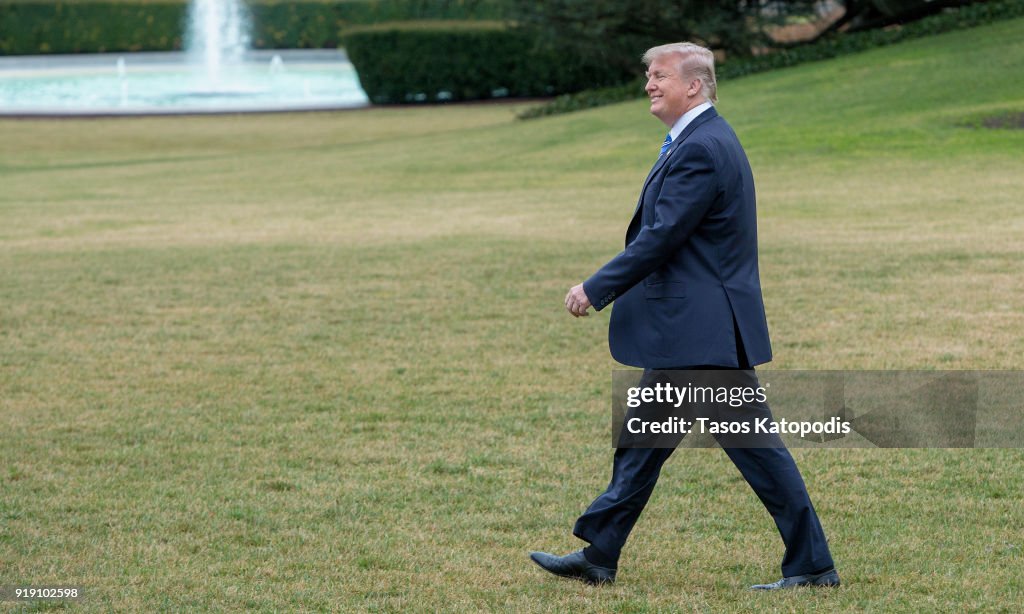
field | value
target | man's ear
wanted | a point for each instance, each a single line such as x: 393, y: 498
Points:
x: 694, y: 88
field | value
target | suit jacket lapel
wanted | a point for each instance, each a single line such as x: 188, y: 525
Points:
x: 697, y: 121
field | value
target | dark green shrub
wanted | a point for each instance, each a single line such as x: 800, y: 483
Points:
x: 438, y: 61
x: 70, y: 27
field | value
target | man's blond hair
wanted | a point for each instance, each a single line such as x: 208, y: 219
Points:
x: 694, y: 62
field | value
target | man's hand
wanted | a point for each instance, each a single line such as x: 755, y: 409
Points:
x: 577, y: 302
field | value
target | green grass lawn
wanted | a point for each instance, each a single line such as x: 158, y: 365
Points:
x: 320, y: 362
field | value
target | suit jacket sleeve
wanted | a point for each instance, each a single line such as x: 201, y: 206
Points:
x: 687, y: 193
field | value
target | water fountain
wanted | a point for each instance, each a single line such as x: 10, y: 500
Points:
x: 216, y: 73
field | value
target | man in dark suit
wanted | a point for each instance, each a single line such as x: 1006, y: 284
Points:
x: 687, y: 295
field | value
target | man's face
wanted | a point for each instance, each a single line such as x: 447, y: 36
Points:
x: 667, y: 89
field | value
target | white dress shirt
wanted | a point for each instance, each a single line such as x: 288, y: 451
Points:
x: 688, y: 117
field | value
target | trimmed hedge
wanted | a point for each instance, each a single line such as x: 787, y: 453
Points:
x: 441, y: 61
x: 968, y: 16
x: 71, y: 27
x: 84, y: 26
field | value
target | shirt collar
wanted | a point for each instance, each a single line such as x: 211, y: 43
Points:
x: 688, y: 117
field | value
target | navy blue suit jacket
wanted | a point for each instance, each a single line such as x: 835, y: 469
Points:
x: 688, y: 277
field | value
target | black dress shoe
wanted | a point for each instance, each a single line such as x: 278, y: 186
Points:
x: 825, y: 578
x: 575, y: 566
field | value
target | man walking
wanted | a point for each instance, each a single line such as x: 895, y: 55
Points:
x: 687, y: 295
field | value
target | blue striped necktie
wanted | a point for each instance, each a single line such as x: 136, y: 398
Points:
x: 665, y: 145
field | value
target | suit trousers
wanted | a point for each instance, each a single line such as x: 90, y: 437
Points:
x: 769, y: 470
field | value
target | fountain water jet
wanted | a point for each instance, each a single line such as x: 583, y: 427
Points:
x: 218, y: 35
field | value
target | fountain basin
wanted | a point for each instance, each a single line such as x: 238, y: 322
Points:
x: 169, y: 83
